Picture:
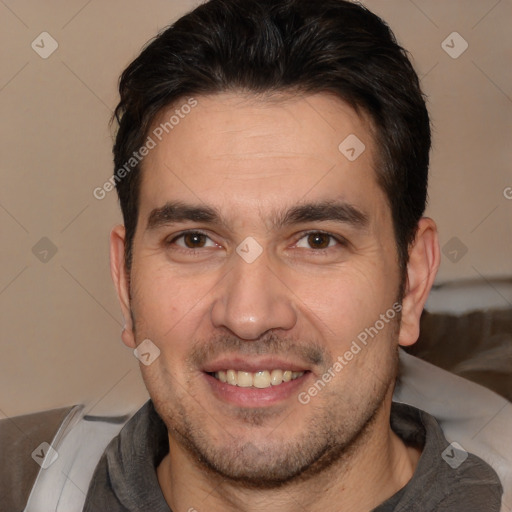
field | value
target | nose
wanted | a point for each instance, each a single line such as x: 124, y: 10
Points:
x: 253, y: 300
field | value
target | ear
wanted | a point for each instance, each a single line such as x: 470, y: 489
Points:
x: 121, y: 281
x: 424, y: 260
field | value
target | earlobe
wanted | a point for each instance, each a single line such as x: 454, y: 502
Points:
x: 121, y: 281
x: 424, y: 260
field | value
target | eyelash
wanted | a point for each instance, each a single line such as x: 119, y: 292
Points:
x: 173, y: 240
x: 339, y: 240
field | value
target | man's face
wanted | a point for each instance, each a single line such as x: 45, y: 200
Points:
x: 261, y: 247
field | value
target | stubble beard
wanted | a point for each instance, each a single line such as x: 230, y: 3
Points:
x: 331, y: 438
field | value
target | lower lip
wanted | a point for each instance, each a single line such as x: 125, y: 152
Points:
x: 254, y: 397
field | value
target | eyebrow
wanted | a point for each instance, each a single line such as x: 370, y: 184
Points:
x: 173, y: 212
x: 337, y: 211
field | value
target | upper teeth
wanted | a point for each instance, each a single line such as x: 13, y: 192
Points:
x: 261, y: 379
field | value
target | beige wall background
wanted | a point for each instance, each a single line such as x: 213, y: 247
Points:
x: 59, y: 318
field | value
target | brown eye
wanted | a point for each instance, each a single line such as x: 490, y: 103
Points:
x: 319, y: 240
x: 194, y: 240
x: 191, y: 246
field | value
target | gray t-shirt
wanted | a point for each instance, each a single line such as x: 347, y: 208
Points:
x: 125, y: 478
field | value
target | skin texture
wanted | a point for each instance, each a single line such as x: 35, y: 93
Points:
x: 300, y: 303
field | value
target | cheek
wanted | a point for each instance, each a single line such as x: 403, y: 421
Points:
x: 166, y: 305
x: 342, y: 305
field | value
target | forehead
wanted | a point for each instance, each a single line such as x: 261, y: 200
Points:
x: 234, y: 151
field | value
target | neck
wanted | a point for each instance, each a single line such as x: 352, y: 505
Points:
x: 377, y: 466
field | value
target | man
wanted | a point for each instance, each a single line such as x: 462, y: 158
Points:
x: 271, y: 164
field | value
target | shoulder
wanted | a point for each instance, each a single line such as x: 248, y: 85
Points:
x: 475, y: 425
x: 78, y: 443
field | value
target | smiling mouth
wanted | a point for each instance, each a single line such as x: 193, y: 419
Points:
x: 260, y: 380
